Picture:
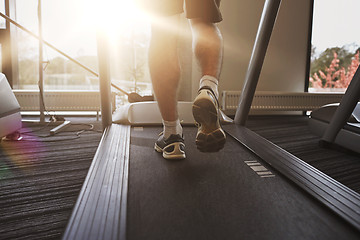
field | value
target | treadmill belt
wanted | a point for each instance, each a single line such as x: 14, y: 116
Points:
x: 231, y: 194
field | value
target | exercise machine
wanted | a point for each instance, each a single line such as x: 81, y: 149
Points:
x: 10, y: 117
x: 340, y: 123
x: 131, y: 192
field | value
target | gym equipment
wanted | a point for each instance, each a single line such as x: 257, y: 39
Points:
x: 339, y: 130
x: 10, y: 117
x: 348, y: 136
x: 348, y: 106
x: 148, y: 113
x: 132, y: 192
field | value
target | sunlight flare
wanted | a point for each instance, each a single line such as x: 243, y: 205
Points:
x: 113, y: 16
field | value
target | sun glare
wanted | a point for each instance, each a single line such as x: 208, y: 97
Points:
x: 114, y: 16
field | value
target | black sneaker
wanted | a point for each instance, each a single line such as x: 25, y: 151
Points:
x: 210, y: 136
x: 172, y: 148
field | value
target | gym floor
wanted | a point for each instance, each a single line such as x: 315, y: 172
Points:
x: 40, y: 178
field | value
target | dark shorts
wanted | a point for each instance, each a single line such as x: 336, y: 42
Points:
x: 203, y: 9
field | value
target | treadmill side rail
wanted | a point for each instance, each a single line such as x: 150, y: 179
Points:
x: 100, y: 211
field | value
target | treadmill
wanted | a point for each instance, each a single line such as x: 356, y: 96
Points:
x: 252, y: 189
x: 339, y: 124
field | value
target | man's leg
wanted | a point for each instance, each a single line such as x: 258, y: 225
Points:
x: 165, y: 74
x: 207, y: 46
x: 208, y: 49
x: 164, y: 65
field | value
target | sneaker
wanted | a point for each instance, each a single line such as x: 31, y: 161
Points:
x: 171, y: 148
x: 210, y: 136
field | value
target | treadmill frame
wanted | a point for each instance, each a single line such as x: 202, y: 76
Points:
x: 337, y: 197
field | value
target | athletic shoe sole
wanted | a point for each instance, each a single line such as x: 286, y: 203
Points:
x: 210, y: 137
x: 173, y: 151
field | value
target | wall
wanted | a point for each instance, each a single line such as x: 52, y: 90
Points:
x: 285, y: 63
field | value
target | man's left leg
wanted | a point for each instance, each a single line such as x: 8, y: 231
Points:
x: 165, y: 74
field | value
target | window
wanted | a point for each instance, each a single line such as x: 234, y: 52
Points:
x: 71, y: 26
x: 335, y: 45
x: 28, y: 52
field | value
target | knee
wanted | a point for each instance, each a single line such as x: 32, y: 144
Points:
x: 202, y: 27
x: 201, y: 24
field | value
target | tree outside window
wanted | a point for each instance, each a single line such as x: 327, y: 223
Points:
x: 335, y: 45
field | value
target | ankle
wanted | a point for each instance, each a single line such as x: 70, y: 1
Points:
x: 172, y: 127
x: 211, y: 82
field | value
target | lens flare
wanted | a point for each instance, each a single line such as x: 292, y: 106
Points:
x: 20, y: 155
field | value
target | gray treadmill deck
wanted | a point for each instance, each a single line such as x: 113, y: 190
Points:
x: 224, y: 195
x: 100, y: 211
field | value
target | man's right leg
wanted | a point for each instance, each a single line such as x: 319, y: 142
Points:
x: 165, y: 74
x: 208, y: 49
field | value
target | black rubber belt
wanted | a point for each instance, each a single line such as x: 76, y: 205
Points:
x: 337, y: 197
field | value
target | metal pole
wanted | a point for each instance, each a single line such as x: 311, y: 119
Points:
x: 265, y: 28
x: 104, y: 78
x: 41, y: 73
x: 343, y: 112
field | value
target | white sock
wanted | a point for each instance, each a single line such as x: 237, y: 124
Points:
x: 172, y: 127
x: 210, y: 82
